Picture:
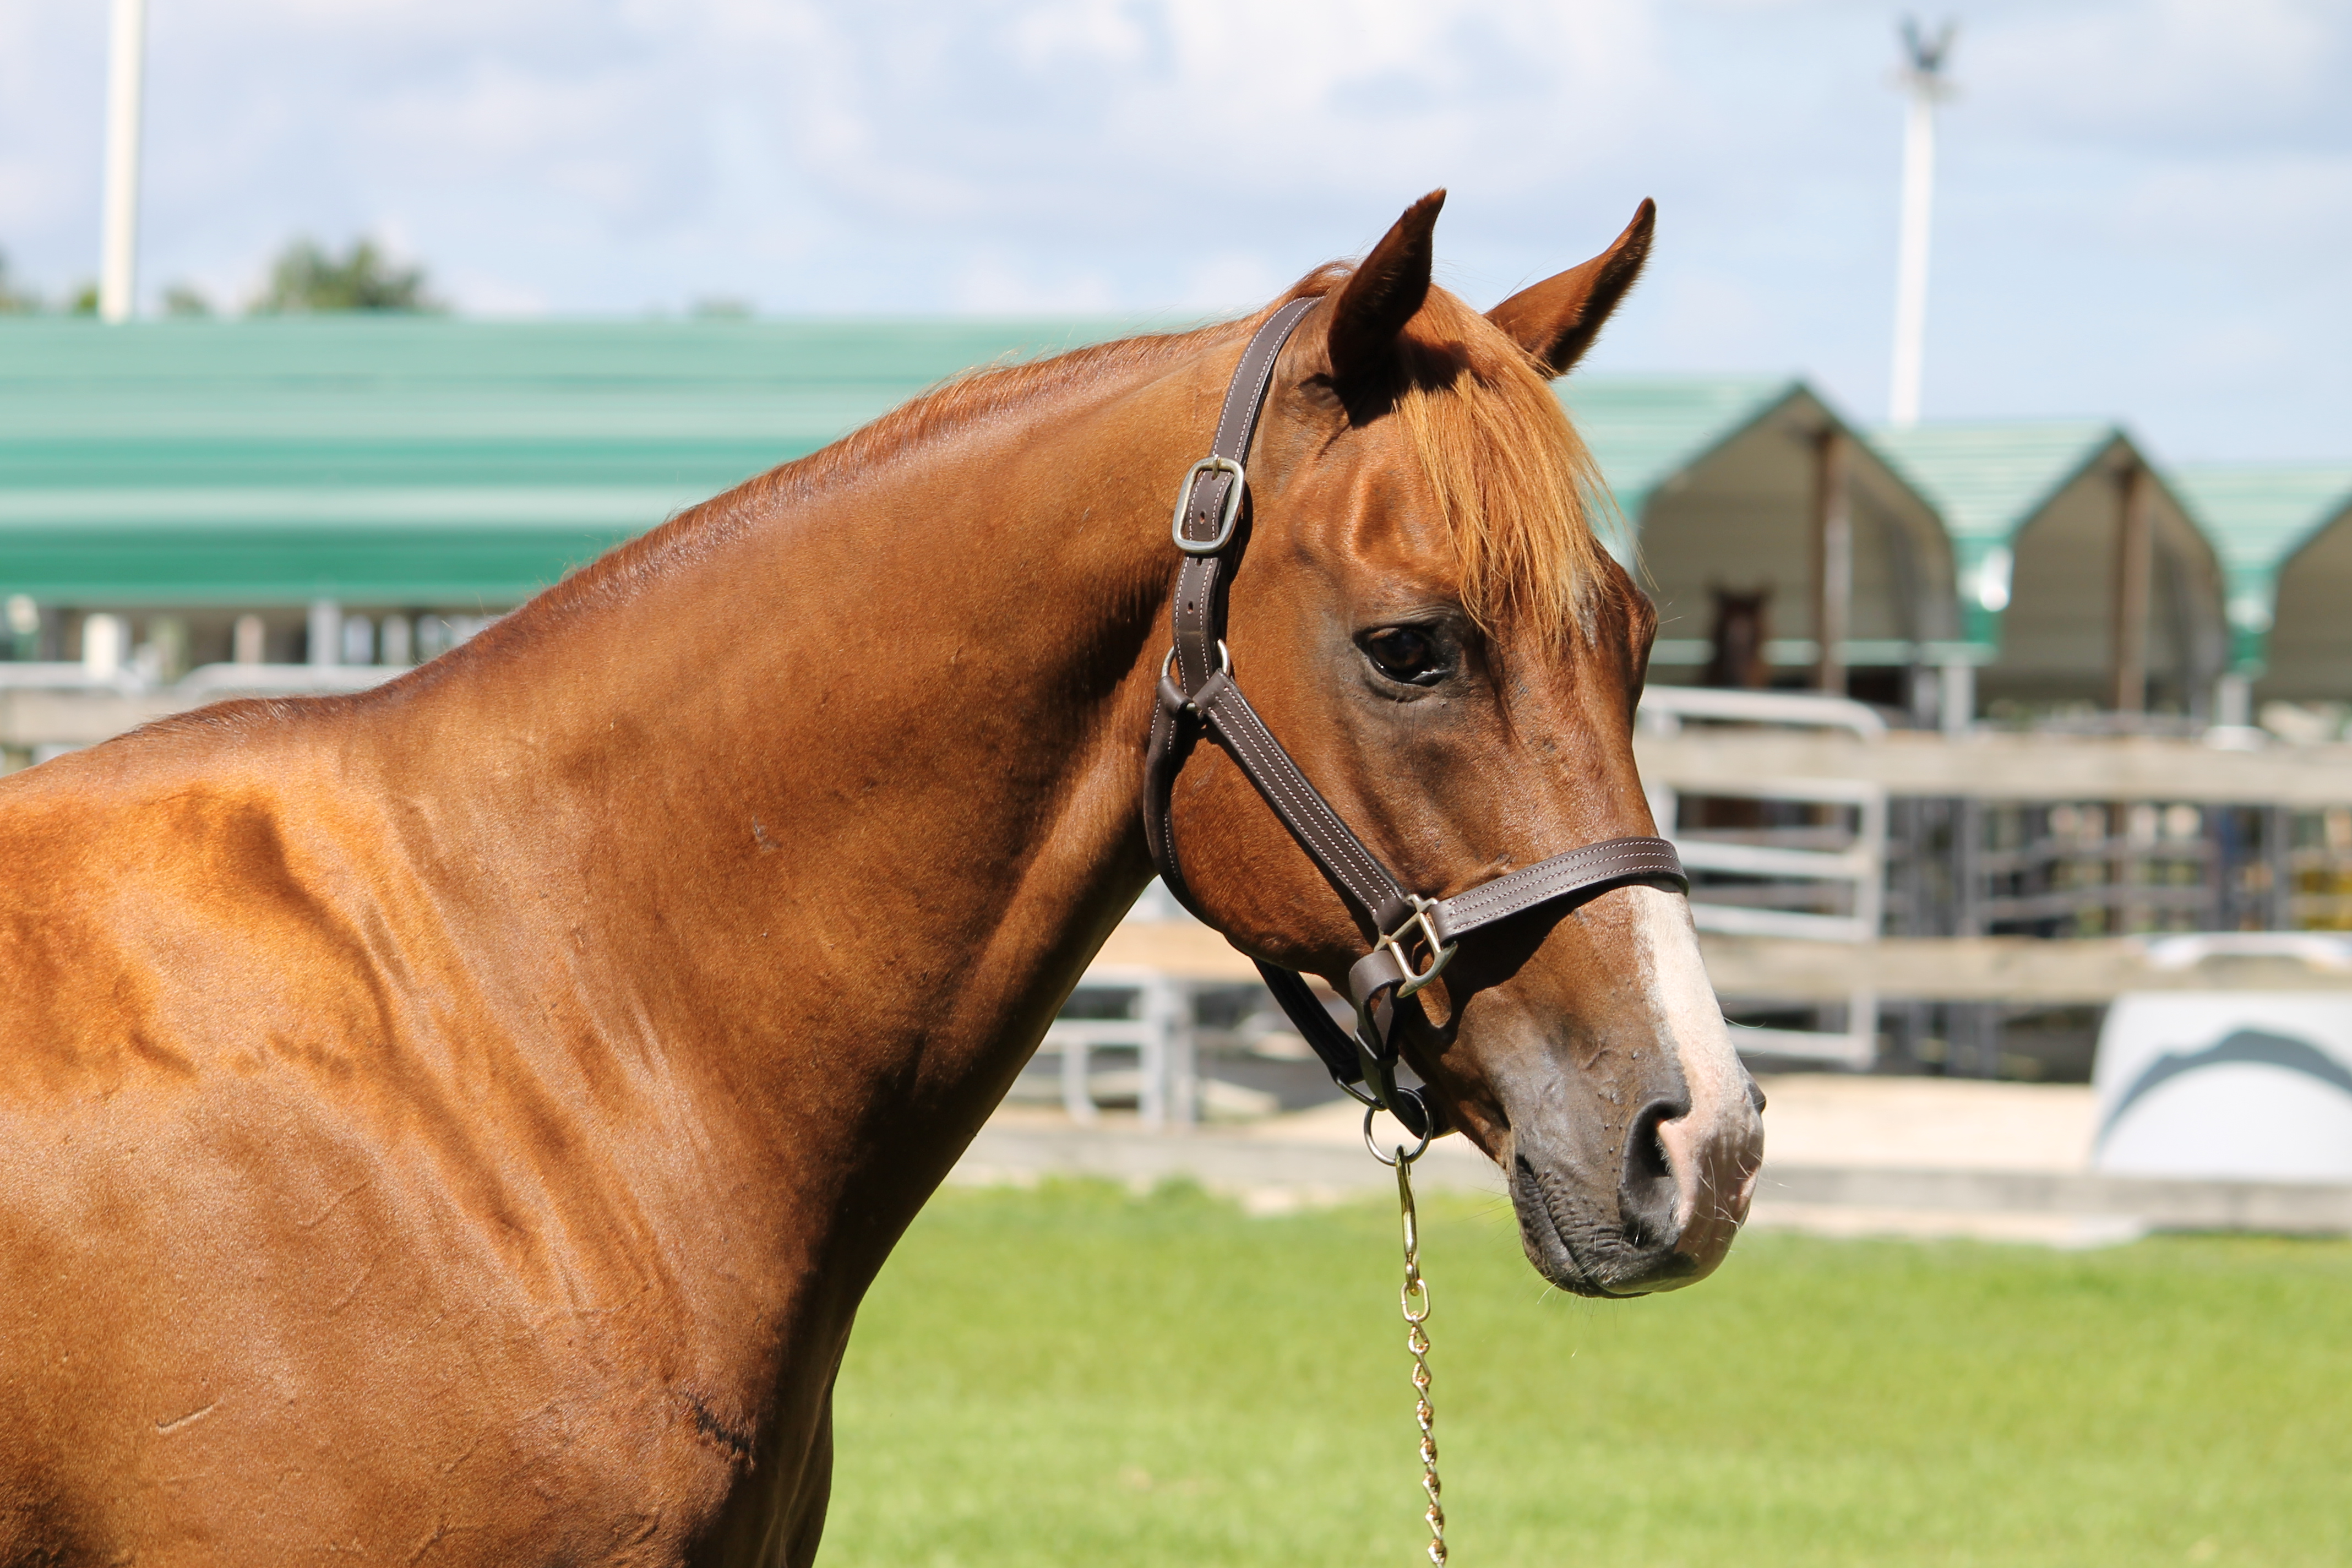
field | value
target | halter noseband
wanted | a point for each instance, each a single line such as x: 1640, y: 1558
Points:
x: 1412, y: 937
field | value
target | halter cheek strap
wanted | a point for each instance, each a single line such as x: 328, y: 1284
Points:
x: 1412, y: 937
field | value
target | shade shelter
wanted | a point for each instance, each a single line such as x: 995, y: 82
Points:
x: 208, y: 471
x: 2083, y: 577
x: 1755, y: 483
x: 2284, y: 535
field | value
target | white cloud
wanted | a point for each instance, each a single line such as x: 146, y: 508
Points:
x: 2110, y: 166
x: 994, y: 282
x: 2187, y: 73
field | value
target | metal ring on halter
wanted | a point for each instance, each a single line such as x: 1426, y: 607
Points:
x: 1442, y: 953
x: 1401, y: 1155
x: 1224, y: 659
x: 1228, y: 516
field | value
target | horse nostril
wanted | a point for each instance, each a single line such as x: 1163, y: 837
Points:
x: 1647, y: 1197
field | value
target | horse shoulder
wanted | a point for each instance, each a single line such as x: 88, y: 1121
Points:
x: 249, y: 1087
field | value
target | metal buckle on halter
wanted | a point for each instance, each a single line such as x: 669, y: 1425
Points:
x: 1232, y: 508
x: 1441, y: 953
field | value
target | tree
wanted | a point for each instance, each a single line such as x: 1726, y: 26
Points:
x: 20, y: 302
x: 13, y: 301
x: 306, y: 279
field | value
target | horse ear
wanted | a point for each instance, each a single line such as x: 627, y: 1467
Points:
x: 1557, y: 320
x: 1383, y: 296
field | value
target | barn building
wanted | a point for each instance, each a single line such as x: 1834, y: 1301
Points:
x: 1755, y: 486
x: 2084, y: 581
x: 350, y: 490
x: 2285, y: 533
x: 356, y: 491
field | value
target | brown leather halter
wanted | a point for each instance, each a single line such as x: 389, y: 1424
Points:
x: 1412, y: 937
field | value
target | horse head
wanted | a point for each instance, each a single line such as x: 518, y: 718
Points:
x: 1736, y: 641
x: 1429, y: 622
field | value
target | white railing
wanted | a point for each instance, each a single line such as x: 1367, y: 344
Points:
x: 1860, y: 868
x: 1158, y: 1029
x: 46, y: 674
x: 1854, y: 877
x: 1664, y: 708
x: 200, y: 684
x: 215, y: 679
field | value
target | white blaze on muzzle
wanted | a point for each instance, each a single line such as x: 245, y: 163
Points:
x: 1715, y: 1149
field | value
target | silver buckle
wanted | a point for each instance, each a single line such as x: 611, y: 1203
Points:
x: 1233, y: 509
x: 1442, y: 953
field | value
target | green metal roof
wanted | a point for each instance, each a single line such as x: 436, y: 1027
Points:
x: 433, y: 461
x: 1988, y: 480
x: 1643, y: 430
x: 415, y: 459
x: 2258, y: 515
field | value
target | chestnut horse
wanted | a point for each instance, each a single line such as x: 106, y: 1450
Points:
x: 457, y: 1123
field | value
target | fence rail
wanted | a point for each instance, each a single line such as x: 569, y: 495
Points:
x: 2003, y: 767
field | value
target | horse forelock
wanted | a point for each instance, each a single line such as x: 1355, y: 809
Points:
x: 1516, y: 485
x: 1520, y: 493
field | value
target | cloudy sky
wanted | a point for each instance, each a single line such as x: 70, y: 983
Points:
x: 2145, y: 207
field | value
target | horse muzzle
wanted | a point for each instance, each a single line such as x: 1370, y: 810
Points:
x: 1654, y: 1209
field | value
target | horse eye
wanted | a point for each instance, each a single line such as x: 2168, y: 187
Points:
x: 1403, y: 653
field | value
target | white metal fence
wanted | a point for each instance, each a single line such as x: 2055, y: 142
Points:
x: 1153, y: 1019
x: 1821, y: 877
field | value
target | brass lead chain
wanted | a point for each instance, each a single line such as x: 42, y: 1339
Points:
x: 1414, y: 1300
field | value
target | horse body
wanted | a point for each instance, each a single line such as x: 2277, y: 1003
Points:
x: 458, y: 1122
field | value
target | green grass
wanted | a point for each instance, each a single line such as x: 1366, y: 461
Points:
x: 1075, y: 1377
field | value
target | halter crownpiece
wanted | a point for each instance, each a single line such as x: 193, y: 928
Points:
x: 1413, y: 937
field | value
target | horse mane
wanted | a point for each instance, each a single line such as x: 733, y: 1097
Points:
x: 966, y: 398
x: 1514, y: 484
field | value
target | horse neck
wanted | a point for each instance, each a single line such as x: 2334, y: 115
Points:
x: 842, y: 786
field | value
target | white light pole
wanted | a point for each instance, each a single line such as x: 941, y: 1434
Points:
x: 118, y: 272
x: 1922, y: 80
